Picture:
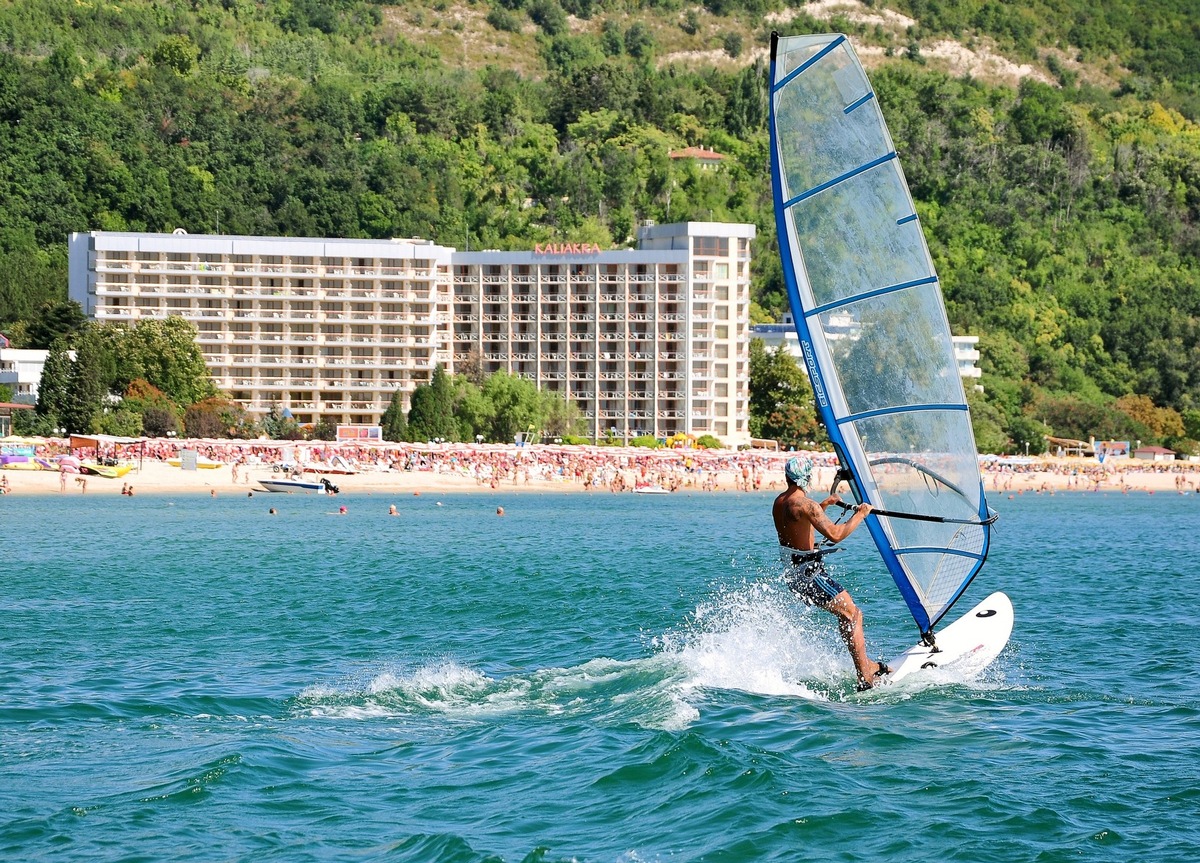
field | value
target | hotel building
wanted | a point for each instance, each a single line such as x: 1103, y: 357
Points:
x: 966, y: 348
x: 21, y: 370
x: 650, y: 340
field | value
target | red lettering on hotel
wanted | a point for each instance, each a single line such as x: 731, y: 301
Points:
x: 566, y: 249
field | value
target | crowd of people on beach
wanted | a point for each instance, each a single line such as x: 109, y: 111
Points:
x: 1080, y: 475
x: 614, y: 469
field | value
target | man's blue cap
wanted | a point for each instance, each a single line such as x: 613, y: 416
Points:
x: 798, y: 470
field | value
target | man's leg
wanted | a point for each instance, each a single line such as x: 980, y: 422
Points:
x: 851, y: 629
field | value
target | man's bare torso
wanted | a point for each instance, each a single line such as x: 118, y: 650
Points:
x: 793, y: 512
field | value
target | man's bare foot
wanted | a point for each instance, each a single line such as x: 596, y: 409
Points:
x: 882, y: 670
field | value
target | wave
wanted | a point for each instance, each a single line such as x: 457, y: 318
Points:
x: 640, y: 691
x: 754, y: 637
x: 749, y: 636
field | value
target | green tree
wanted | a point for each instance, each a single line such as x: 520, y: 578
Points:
x: 516, y: 403
x: 394, y: 423
x: 54, y: 384
x: 781, y: 400
x: 211, y: 418
x: 794, y: 425
x: 639, y: 41
x: 473, y: 411
x: 562, y: 416
x: 431, y: 413
x: 165, y: 353
x: 323, y: 429
x: 732, y: 43
x: 120, y: 421
x: 1027, y: 431
x: 1191, y: 423
x: 85, y: 391
x: 987, y: 423
x: 55, y: 319
x: 159, y: 415
x: 548, y: 15
x: 176, y: 53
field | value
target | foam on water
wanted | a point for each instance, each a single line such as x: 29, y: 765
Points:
x: 755, y: 637
x: 749, y: 635
x: 647, y: 692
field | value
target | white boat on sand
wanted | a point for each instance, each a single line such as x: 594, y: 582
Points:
x: 303, y: 486
x: 651, y: 489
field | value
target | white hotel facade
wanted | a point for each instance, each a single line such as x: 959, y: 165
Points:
x: 652, y: 340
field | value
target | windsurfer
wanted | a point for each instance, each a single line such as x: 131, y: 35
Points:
x: 797, y: 516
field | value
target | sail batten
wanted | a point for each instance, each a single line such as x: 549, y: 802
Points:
x: 799, y: 70
x: 872, y: 322
x: 837, y: 181
x: 869, y: 294
x: 899, y: 409
x: 859, y: 103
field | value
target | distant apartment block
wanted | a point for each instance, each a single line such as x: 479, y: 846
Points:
x: 651, y: 340
x: 966, y: 348
x: 21, y: 371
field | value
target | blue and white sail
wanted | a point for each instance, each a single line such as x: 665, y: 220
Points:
x: 872, y: 323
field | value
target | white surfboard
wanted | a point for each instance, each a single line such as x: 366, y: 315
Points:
x: 969, y: 643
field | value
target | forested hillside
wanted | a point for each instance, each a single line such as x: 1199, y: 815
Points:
x: 1061, y: 201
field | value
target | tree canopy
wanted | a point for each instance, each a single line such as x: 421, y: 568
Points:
x: 1063, y: 214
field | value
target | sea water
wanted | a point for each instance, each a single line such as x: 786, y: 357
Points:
x: 589, y: 677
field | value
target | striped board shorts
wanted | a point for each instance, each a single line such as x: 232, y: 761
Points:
x: 806, y: 575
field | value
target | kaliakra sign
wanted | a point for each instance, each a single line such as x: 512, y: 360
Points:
x: 566, y: 249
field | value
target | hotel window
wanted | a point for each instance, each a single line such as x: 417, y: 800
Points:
x: 711, y: 246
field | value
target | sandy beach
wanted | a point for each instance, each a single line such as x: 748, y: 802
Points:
x: 592, y: 471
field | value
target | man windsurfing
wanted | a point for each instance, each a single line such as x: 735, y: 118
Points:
x: 797, y: 520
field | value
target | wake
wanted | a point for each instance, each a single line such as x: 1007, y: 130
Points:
x: 645, y: 692
x: 751, y: 637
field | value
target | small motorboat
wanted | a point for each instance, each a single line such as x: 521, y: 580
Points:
x: 291, y: 486
x: 650, y: 489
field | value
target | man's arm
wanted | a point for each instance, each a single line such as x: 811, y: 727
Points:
x: 815, y: 513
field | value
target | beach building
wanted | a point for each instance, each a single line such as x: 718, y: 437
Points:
x: 651, y: 340
x: 21, y: 370
x: 966, y: 348
x: 1154, y: 453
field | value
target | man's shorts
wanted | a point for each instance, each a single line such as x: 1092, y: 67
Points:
x: 807, y: 577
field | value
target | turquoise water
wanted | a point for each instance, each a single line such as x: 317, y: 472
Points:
x: 588, y: 678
